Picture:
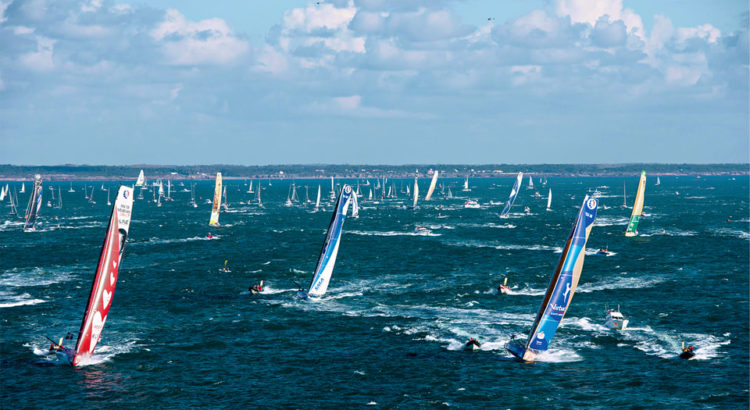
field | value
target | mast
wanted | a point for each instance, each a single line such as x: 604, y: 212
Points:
x: 217, y: 201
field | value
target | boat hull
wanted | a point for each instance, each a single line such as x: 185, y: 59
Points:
x: 520, y: 352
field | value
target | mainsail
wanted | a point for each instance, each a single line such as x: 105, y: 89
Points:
x: 35, y: 202
x: 433, y: 183
x: 317, y: 201
x: 562, y: 286
x: 217, y: 201
x: 513, y: 195
x: 105, y: 279
x: 549, y: 199
x: 327, y: 259
x: 141, y: 179
x: 416, y: 192
x: 635, y: 217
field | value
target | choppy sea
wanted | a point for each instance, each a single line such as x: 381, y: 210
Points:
x: 400, y: 305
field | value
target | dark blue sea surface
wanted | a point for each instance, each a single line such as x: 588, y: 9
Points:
x: 400, y: 305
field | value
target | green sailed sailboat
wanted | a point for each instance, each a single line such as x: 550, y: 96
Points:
x: 635, y: 217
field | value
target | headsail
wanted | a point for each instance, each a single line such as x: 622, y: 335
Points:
x: 35, y: 202
x: 140, y: 181
x: 327, y: 259
x: 635, y: 216
x: 513, y: 195
x: 217, y: 201
x: 433, y: 183
x: 562, y: 286
x: 105, y: 279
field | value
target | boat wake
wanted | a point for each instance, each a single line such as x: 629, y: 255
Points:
x: 393, y: 233
x: 8, y: 300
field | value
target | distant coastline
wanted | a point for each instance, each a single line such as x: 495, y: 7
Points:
x: 311, y: 171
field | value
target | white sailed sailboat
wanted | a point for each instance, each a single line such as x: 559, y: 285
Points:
x: 549, y: 200
x: 105, y: 280
x: 23, y: 187
x: 327, y: 259
x: 59, y: 198
x: 466, y: 185
x: 433, y: 183
x: 513, y: 195
x: 317, y: 201
x: 217, y: 201
x: 35, y: 202
x: 71, y: 188
x: 333, y: 190
x: 250, y: 188
x: 109, y: 203
x: 658, y: 181
x: 416, y: 193
x: 561, y: 288
x: 141, y: 180
x: 225, y: 203
x: 260, y: 203
x: 192, y: 196
x: 531, y: 183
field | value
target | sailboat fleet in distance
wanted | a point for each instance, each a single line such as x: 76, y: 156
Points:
x: 555, y: 302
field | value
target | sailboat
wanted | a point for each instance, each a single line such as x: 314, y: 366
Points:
x: 531, y: 183
x: 141, y: 179
x: 225, y: 203
x: 217, y: 201
x: 333, y: 190
x: 466, y: 185
x: 289, y: 197
x: 3, y: 192
x: 169, y: 191
x: 260, y: 203
x: 105, y: 280
x: 71, y: 188
x: 13, y: 198
x: 513, y: 195
x: 416, y: 193
x: 549, y: 200
x: 23, y: 188
x: 431, y: 189
x: 35, y: 202
x: 109, y: 203
x: 250, y: 188
x: 317, y: 201
x: 624, y: 197
x: 327, y: 259
x: 561, y: 288
x: 658, y: 182
x: 450, y: 194
x: 635, y: 216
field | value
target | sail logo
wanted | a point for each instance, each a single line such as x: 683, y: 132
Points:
x: 567, y: 291
x: 540, y: 335
x: 591, y: 203
x: 348, y: 189
x: 125, y: 194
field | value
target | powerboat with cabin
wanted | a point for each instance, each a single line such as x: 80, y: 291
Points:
x: 471, y: 204
x: 615, y: 320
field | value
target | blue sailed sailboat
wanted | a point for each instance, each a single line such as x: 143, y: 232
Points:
x: 561, y: 288
x: 327, y: 259
x: 513, y: 195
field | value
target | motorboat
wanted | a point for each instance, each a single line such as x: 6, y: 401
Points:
x: 615, y: 320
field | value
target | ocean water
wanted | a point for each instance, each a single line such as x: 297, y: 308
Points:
x: 400, y: 306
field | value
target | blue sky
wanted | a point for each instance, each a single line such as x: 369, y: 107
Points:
x: 373, y: 81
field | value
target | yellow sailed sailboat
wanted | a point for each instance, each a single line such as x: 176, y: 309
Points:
x: 635, y: 217
x: 217, y: 201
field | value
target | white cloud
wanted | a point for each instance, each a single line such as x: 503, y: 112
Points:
x: 705, y: 31
x: 208, y: 42
x: 41, y: 59
x: 91, y: 6
x: 324, y: 16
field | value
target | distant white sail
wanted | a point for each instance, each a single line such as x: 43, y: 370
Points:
x: 466, y: 185
x: 317, y: 201
x: 433, y: 183
x: 217, y: 201
x: 549, y: 200
x: 416, y: 192
x: 141, y: 179
x: 333, y: 190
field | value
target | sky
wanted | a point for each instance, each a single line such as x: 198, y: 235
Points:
x: 374, y: 82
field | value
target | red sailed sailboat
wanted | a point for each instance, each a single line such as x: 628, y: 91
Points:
x: 105, y: 280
